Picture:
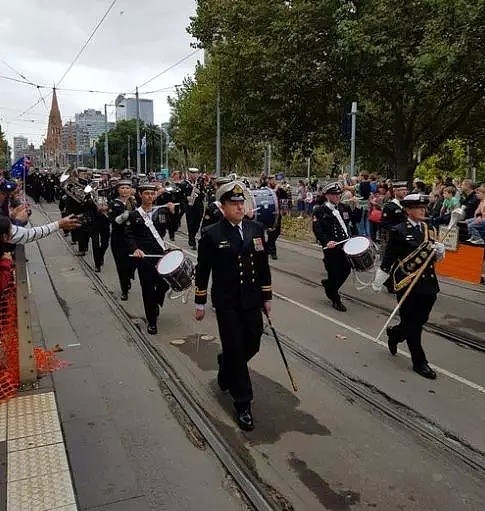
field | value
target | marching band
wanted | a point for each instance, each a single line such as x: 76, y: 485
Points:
x: 234, y: 230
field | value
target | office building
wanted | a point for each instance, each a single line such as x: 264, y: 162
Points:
x: 19, y: 147
x: 126, y: 109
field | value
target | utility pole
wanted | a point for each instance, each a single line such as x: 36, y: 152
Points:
x: 146, y: 152
x: 218, y: 139
x: 129, y: 153
x: 353, y: 113
x: 106, y: 153
x: 138, y: 154
x: 269, y: 159
x: 167, y: 140
x: 161, y: 147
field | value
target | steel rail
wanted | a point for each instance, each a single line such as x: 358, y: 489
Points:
x: 253, y: 489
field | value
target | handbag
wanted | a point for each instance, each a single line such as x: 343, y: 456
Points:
x: 375, y: 216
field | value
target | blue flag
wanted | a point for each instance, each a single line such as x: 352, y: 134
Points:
x: 21, y: 167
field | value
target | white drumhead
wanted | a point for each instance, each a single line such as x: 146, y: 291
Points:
x: 356, y: 245
x: 170, y: 262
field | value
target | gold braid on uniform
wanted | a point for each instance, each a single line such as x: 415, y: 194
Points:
x: 405, y: 270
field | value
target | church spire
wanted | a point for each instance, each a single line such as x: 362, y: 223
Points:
x: 53, y: 140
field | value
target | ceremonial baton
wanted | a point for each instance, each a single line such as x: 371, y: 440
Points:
x: 278, y: 343
x: 455, y: 218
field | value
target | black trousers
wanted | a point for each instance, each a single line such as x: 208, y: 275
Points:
x: 240, y: 332
x: 271, y: 237
x: 194, y: 216
x: 98, y: 232
x: 414, y: 314
x: 153, y: 288
x: 124, y: 264
x: 338, y: 269
x: 173, y: 223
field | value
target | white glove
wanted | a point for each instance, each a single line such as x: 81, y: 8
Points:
x: 439, y: 248
x: 120, y: 219
x: 380, y: 278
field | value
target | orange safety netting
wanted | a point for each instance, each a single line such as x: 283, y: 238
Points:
x: 9, y: 342
x: 46, y: 360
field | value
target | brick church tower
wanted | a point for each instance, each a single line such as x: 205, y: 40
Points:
x: 53, y: 142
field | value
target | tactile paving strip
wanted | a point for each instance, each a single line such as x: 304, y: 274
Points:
x: 35, y: 403
x: 38, y: 477
x: 19, y: 426
x: 3, y: 422
x: 28, y: 442
x: 46, y: 492
x: 35, y: 462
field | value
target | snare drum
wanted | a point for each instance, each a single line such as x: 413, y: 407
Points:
x: 361, y: 253
x: 265, y: 204
x: 177, y: 269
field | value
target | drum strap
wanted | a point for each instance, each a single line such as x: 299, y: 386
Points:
x: 153, y: 230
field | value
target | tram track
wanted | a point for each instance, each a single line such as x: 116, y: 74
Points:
x: 459, y: 338
x: 255, y: 491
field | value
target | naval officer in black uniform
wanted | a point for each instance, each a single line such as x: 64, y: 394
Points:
x: 331, y: 224
x: 393, y: 212
x: 145, y: 230
x: 233, y: 249
x: 410, y: 243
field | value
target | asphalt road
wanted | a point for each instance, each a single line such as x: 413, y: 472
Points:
x: 325, y: 448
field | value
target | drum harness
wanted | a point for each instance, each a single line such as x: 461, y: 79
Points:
x: 159, y: 240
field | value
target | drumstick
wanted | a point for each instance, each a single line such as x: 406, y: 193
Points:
x: 148, y: 255
x: 338, y: 243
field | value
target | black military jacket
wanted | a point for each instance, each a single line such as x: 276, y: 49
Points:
x: 212, y: 215
x: 138, y: 235
x: 241, y: 277
x: 116, y: 207
x: 326, y: 226
x: 392, y: 214
x: 405, y: 239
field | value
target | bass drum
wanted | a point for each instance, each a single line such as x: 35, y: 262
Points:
x: 265, y: 207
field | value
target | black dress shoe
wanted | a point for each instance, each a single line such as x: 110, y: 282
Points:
x: 223, y: 385
x: 244, y: 419
x: 392, y: 342
x: 274, y: 257
x: 324, y: 283
x: 172, y: 238
x: 97, y: 269
x: 124, y: 297
x: 152, y: 329
x: 339, y: 306
x: 425, y: 371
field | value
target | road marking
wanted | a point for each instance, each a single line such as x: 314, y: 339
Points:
x: 357, y: 331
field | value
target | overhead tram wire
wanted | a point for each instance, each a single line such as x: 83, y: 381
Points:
x: 91, y: 91
x: 26, y: 79
x: 183, y: 59
x: 87, y: 41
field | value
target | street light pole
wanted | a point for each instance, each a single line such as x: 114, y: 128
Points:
x: 353, y: 113
x: 138, y: 153
x: 161, y: 147
x: 129, y: 156
x: 106, y: 153
x: 218, y: 139
x: 167, y: 140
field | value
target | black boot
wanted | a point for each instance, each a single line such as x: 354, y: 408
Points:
x: 244, y: 417
x: 392, y: 340
x: 425, y: 371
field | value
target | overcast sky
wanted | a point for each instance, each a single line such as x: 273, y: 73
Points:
x: 137, y: 40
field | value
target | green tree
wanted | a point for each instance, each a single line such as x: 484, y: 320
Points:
x: 291, y: 68
x: 124, y: 135
x: 4, y: 163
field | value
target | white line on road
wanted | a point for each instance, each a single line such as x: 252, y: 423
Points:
x: 357, y: 331
x: 364, y: 335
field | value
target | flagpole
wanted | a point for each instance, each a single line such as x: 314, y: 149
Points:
x: 146, y: 152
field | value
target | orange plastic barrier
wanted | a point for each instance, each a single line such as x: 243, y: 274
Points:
x: 46, y: 360
x: 462, y: 264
